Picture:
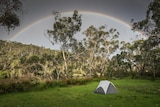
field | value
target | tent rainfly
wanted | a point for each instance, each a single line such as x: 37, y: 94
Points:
x: 105, y: 87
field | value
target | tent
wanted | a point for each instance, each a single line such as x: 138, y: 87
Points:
x: 106, y: 87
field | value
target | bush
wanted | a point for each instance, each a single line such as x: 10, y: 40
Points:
x: 14, y: 85
x: 80, y: 81
x: 20, y: 85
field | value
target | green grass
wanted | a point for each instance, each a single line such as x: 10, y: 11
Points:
x: 131, y: 93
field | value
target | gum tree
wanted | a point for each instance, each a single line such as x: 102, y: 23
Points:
x: 150, y: 27
x: 99, y: 44
x: 8, y: 13
x: 62, y: 33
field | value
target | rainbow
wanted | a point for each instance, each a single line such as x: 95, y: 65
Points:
x: 65, y: 13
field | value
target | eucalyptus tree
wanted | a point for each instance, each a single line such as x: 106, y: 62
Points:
x: 156, y: 59
x: 141, y: 59
x: 153, y: 63
x: 34, y: 69
x: 8, y: 13
x: 78, y: 58
x: 150, y: 27
x: 125, y: 58
x: 63, y: 32
x: 147, y: 58
x: 99, y: 44
x: 140, y: 56
x: 58, y: 72
x: 16, y: 70
x: 118, y: 66
x: 132, y: 53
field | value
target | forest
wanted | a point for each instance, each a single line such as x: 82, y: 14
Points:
x: 99, y: 54
x: 87, y: 59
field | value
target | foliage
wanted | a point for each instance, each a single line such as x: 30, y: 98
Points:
x: 63, y: 32
x: 88, y: 55
x: 137, y: 59
x: 26, y: 61
x: 91, y: 57
x: 8, y: 13
x: 99, y: 45
x: 32, y: 84
x: 150, y: 27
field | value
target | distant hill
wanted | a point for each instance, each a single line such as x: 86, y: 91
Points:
x: 20, y: 60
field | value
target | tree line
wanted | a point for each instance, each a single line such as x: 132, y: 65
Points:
x: 89, y: 57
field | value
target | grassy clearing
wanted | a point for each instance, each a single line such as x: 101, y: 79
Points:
x: 131, y: 93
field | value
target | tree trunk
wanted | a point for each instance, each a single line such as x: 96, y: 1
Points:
x: 58, y: 74
x: 142, y: 70
x: 154, y: 73
x: 65, y: 65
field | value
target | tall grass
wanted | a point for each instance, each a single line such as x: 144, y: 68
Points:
x: 131, y: 93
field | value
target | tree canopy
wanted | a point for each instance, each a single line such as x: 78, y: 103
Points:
x: 150, y: 27
x: 93, y: 56
x: 8, y: 13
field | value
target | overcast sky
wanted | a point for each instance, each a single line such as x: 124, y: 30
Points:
x: 34, y: 10
x: 123, y: 9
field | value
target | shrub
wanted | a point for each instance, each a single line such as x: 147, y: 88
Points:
x: 80, y: 81
x: 14, y: 85
x: 20, y: 85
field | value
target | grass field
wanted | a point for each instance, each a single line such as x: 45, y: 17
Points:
x: 131, y: 93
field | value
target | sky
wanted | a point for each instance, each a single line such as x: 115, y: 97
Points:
x: 37, y: 17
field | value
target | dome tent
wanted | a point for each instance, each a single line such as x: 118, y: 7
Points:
x: 106, y: 87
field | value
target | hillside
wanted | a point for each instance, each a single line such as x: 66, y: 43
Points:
x: 20, y: 60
